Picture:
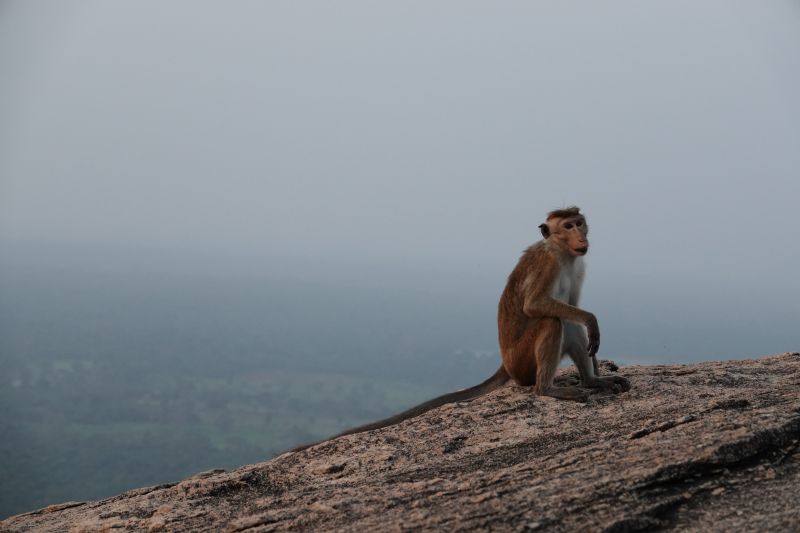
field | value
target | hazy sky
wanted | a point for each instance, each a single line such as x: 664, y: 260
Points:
x: 424, y: 135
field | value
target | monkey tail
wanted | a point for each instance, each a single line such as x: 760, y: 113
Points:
x: 497, y: 380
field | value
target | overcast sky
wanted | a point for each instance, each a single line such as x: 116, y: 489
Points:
x: 424, y: 135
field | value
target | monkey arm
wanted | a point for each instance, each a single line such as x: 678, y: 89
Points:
x: 538, y: 301
x: 574, y: 298
x: 547, y: 306
x: 537, y: 289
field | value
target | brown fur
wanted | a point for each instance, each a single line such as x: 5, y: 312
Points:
x: 564, y: 213
x: 538, y: 322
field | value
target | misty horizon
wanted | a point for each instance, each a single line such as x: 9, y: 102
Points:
x: 675, y: 325
x: 229, y: 228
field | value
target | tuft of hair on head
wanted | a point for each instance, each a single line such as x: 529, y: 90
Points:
x: 564, y: 213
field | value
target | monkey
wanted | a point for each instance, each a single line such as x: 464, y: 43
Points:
x: 538, y: 322
x: 538, y: 318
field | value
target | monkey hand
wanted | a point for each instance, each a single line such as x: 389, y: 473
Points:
x: 594, y: 335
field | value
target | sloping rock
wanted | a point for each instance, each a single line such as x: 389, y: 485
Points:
x: 705, y: 447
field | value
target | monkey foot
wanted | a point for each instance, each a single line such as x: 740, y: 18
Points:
x: 566, y: 393
x: 615, y: 384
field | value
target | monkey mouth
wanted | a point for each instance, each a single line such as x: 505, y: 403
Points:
x: 583, y: 250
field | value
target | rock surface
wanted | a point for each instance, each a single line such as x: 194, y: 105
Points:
x: 705, y: 447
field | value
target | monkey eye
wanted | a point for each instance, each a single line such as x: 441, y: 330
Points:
x: 579, y: 223
x: 568, y: 225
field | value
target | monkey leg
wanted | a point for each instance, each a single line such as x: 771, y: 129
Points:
x: 576, y: 346
x: 546, y: 352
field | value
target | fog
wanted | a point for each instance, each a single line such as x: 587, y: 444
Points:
x: 345, y: 187
x: 420, y: 134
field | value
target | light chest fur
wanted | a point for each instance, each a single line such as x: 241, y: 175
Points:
x: 568, y: 284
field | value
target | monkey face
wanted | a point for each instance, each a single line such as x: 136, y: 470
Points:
x: 571, y: 234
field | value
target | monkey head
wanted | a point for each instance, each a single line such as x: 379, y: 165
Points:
x: 567, y: 229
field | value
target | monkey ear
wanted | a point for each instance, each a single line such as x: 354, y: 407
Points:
x: 545, y: 230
